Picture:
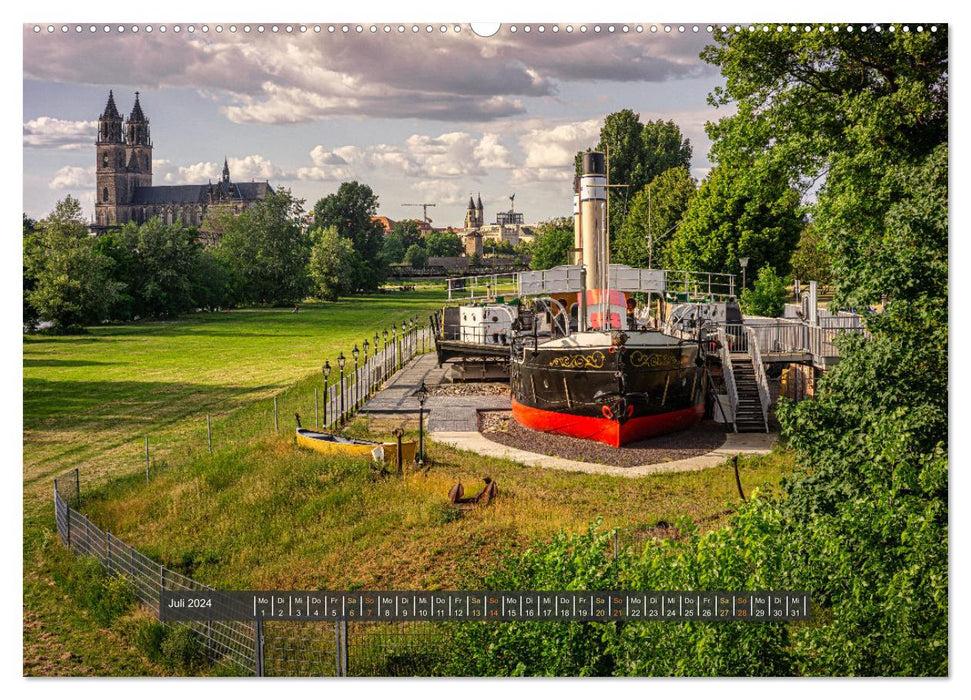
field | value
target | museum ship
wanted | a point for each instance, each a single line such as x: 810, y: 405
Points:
x: 581, y: 364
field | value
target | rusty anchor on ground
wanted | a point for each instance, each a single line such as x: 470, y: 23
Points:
x: 457, y: 496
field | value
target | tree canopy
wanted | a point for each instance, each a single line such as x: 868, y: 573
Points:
x: 654, y: 213
x: 349, y: 210
x: 554, y: 239
x: 736, y: 214
x: 443, y: 244
x: 70, y: 279
x: 638, y: 153
x: 268, y: 249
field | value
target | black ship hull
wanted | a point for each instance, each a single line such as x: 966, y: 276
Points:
x: 615, y: 392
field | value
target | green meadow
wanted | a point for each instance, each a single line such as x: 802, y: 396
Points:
x: 259, y: 512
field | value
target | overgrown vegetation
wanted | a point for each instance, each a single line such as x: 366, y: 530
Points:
x: 863, y: 522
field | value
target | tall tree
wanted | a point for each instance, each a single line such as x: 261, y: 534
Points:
x: 72, y: 284
x: 736, y: 214
x: 349, y: 210
x: 810, y: 260
x: 396, y: 243
x: 865, y: 114
x: 638, y: 154
x: 29, y: 240
x: 269, y: 250
x: 332, y: 264
x: 654, y: 214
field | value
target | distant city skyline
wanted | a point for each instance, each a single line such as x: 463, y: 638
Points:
x: 418, y: 116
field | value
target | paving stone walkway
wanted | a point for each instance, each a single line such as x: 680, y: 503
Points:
x: 445, y: 413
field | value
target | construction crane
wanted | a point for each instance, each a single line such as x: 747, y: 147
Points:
x: 424, y: 206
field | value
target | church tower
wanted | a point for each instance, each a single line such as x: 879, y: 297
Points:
x: 112, y: 194
x: 479, y: 214
x: 139, y: 149
x: 471, y: 216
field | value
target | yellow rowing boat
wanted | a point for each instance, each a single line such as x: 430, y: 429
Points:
x: 330, y: 444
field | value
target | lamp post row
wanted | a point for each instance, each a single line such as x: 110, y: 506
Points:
x: 396, y: 357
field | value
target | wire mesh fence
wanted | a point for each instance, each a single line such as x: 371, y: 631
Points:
x: 274, y: 647
x: 271, y: 647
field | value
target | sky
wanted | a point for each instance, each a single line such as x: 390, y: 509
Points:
x: 418, y: 116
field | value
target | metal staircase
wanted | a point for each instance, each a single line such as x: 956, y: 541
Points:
x: 749, y: 413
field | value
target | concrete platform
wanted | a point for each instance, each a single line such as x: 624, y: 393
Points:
x: 735, y: 443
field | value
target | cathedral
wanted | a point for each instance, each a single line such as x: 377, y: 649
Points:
x: 124, y: 179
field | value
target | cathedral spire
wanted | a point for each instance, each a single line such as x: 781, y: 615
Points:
x: 136, y: 112
x: 111, y: 112
x: 225, y: 169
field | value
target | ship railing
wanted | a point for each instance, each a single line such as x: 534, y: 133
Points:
x: 694, y: 286
x: 728, y: 372
x: 482, y: 287
x: 761, y: 380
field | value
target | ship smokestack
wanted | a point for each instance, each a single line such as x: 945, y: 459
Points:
x: 593, y: 214
x: 577, y: 233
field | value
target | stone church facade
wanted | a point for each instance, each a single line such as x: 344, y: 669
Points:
x: 124, y: 179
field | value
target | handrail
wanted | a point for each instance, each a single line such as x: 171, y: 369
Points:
x: 760, y: 377
x: 728, y: 373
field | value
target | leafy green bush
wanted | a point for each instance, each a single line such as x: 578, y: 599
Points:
x: 768, y: 295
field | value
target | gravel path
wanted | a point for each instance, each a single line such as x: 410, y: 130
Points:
x: 706, y: 436
x: 470, y: 389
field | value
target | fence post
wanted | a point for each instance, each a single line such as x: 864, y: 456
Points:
x: 161, y: 587
x: 258, y: 646
x: 209, y: 432
x: 342, y: 647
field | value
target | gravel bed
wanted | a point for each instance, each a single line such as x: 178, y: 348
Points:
x: 706, y: 436
x: 470, y: 389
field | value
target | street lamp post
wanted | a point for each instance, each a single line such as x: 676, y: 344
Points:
x: 422, y: 395
x: 326, y: 370
x: 357, y: 393
x: 340, y: 363
x: 744, y: 263
x: 394, y: 347
x: 367, y: 378
x: 385, y: 334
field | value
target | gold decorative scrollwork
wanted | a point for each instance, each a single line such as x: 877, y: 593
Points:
x: 652, y: 359
x: 594, y: 360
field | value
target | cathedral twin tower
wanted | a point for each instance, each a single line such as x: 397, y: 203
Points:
x: 124, y: 179
x: 124, y: 153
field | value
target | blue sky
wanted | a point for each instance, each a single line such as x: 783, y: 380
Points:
x: 420, y: 117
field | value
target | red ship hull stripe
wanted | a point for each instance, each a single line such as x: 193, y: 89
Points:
x: 605, y: 430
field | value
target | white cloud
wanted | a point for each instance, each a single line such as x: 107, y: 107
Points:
x: 271, y: 79
x: 50, y: 132
x: 70, y: 177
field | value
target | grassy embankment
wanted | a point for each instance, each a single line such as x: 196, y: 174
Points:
x: 90, y: 399
x: 260, y: 513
